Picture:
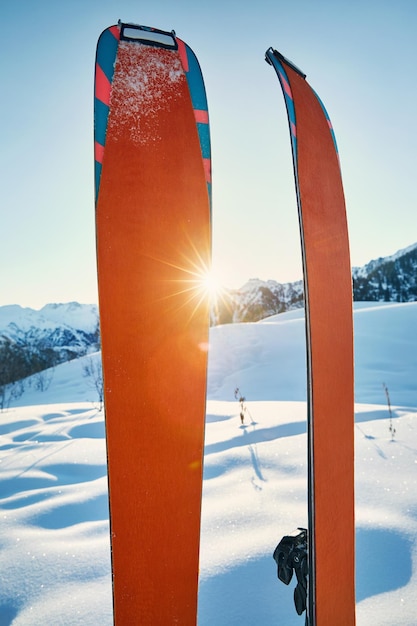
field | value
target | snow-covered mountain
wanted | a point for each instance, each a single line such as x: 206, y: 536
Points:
x: 32, y: 341
x: 70, y: 327
x: 256, y: 300
x: 17, y: 322
x: 388, y: 279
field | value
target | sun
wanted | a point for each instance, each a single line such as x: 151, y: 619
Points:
x: 194, y: 283
x: 210, y: 284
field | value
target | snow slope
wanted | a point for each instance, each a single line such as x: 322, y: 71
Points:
x: 55, y: 558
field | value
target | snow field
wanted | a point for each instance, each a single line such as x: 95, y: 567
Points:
x: 54, y: 532
x: 54, y: 542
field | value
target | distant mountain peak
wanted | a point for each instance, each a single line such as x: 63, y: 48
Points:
x: 387, y: 279
x: 71, y: 326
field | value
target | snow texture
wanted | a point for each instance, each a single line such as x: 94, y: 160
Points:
x: 143, y: 85
x: 54, y: 534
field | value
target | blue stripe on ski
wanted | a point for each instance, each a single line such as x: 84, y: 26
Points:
x: 101, y: 113
x: 195, y: 82
x: 106, y: 52
x: 204, y: 136
x: 289, y: 102
x: 198, y: 96
x: 105, y: 59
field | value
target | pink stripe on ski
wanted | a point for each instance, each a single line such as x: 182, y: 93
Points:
x: 201, y: 116
x: 98, y: 152
x: 182, y: 51
x: 102, y: 86
x: 207, y: 169
x: 293, y: 129
x: 286, y: 86
x: 115, y: 31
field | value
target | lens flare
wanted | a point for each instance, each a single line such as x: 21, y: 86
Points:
x: 210, y: 284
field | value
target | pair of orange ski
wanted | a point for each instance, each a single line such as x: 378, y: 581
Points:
x: 153, y: 206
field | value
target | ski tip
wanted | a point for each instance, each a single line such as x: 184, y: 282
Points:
x: 271, y: 53
x: 147, y: 35
x: 268, y: 54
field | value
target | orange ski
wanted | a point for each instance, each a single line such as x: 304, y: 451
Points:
x: 329, y: 327
x: 153, y: 251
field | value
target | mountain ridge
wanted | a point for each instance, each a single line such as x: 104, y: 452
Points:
x: 386, y: 279
x: 33, y: 341
x: 75, y: 326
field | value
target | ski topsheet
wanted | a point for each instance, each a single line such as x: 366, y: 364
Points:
x: 329, y: 330
x: 152, y: 152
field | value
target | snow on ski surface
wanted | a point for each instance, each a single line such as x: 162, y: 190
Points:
x: 55, y: 557
x: 136, y: 94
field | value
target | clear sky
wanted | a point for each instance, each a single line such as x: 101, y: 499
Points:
x: 359, y: 55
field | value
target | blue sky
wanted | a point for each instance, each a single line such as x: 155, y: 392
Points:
x: 359, y: 55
